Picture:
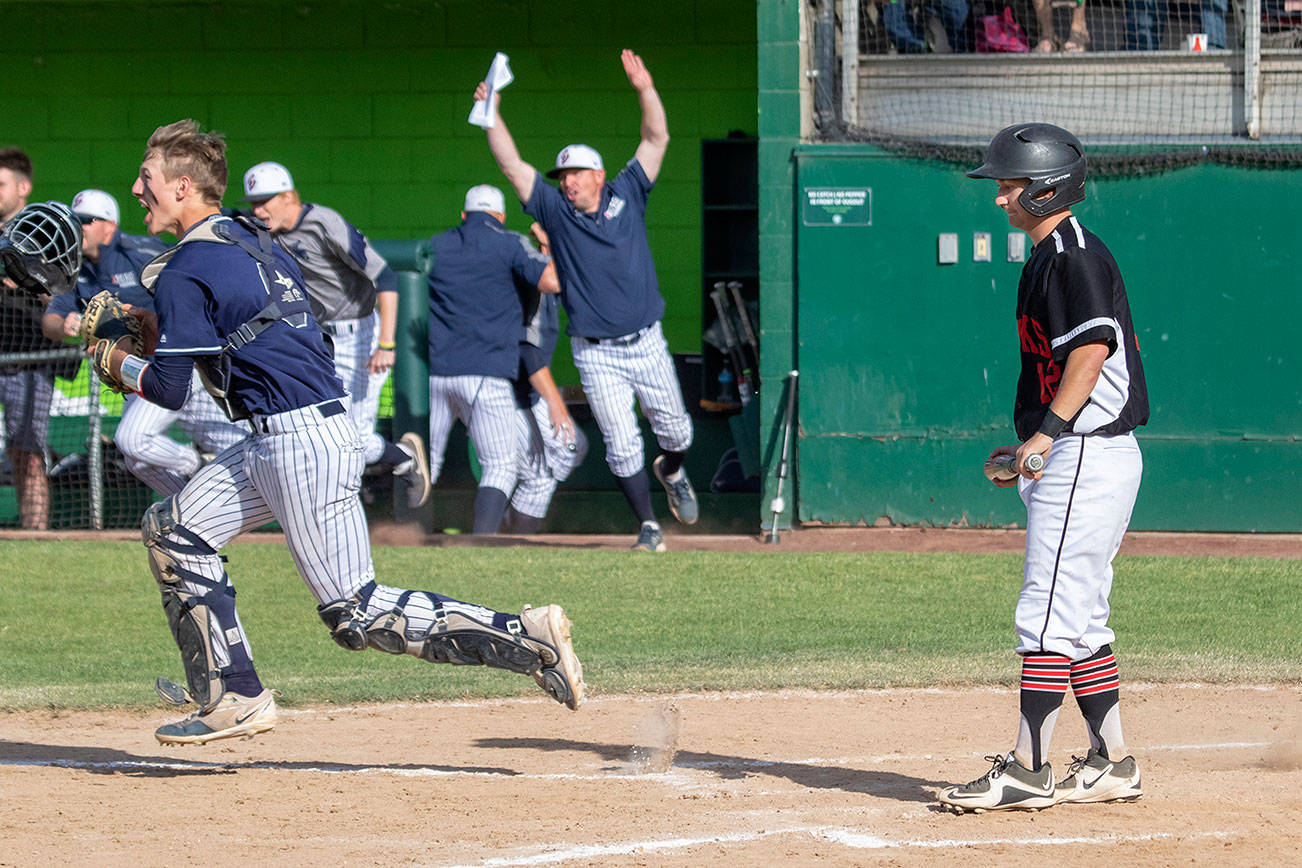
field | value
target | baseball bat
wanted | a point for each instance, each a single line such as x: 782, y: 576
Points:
x: 1001, y: 466
x: 734, y: 286
x: 777, y: 504
x: 730, y: 343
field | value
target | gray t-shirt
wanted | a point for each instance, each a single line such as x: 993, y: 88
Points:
x: 337, y: 261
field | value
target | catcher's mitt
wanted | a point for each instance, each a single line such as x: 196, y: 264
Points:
x: 105, y: 319
x: 102, y: 356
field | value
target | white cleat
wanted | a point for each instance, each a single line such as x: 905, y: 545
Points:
x: 1095, y: 778
x: 233, y: 716
x: 1008, y: 786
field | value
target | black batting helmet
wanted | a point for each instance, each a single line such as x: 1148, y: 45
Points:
x: 1052, y: 158
x: 48, y: 230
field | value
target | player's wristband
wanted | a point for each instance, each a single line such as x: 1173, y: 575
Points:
x: 1052, y: 425
x: 133, y: 367
x: 385, y: 346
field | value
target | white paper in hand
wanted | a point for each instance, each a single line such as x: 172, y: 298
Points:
x: 499, y: 76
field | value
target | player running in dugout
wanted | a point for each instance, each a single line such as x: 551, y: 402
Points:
x: 112, y: 261
x: 476, y: 322
x: 230, y: 300
x: 612, y: 298
x: 553, y: 446
x: 1080, y: 396
x: 354, y: 296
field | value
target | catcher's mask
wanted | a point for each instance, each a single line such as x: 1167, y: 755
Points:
x: 41, y: 247
x: 1052, y: 158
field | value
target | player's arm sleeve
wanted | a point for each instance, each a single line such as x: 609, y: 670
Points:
x: 633, y: 184
x: 166, y: 382
x: 184, y: 332
x: 1081, y: 306
x: 353, y: 249
x: 63, y: 304
x: 544, y: 202
x: 532, y: 358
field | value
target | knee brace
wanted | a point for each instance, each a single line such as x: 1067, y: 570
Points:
x: 188, y: 614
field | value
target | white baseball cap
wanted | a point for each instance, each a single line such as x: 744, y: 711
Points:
x: 576, y: 157
x: 266, y: 180
x: 95, y: 205
x: 485, y: 197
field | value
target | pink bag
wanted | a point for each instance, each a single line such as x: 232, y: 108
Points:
x: 1000, y: 33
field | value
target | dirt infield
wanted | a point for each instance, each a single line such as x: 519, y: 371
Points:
x: 795, y: 777
x: 739, y: 779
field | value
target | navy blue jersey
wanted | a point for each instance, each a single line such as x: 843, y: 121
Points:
x: 475, y: 313
x: 207, y: 290
x: 608, y: 280
x: 117, y: 270
x: 1071, y: 294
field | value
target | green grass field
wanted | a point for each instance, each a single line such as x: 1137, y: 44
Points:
x: 81, y: 625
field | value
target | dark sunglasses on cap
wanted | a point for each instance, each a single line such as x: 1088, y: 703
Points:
x: 87, y: 220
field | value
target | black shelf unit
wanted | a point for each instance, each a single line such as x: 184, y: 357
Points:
x: 729, y: 236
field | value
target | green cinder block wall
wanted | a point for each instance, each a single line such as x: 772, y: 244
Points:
x: 366, y: 103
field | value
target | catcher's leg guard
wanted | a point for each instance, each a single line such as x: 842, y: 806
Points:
x: 350, y: 629
x: 192, y: 617
x: 461, y: 640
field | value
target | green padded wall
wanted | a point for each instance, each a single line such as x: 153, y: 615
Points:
x: 908, y: 367
x: 366, y: 103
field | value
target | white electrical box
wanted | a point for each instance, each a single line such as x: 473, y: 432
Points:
x: 1016, y: 247
x: 947, y: 248
x: 980, y: 246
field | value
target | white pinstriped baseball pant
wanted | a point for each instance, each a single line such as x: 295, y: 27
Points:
x: 159, y: 461
x: 1076, y: 515
x: 614, y: 373
x: 303, y: 469
x: 486, y: 406
x: 545, y: 461
x: 355, y: 341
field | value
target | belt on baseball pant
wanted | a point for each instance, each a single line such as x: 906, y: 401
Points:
x: 622, y: 340
x: 343, y: 326
x: 294, y: 420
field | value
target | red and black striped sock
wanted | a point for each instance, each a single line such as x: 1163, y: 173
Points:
x: 1044, y: 683
x: 1098, y: 692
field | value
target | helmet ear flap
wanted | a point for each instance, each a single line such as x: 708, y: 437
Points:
x: 1051, y: 158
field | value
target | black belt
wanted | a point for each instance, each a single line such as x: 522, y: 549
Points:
x: 325, y: 410
x: 330, y: 408
x: 622, y: 341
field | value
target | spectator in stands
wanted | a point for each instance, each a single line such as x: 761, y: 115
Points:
x: 1146, y: 21
x: 1078, y: 38
x: 897, y: 19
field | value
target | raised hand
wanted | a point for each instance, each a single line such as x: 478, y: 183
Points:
x: 636, y: 70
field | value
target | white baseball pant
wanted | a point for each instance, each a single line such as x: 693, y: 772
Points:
x: 545, y: 461
x: 355, y: 341
x: 1076, y: 516
x: 616, y: 371
x: 486, y: 406
x: 161, y: 462
x: 303, y: 469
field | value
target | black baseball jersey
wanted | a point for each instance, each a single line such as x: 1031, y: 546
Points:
x: 1071, y: 294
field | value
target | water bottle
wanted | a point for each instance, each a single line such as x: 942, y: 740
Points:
x: 727, y: 388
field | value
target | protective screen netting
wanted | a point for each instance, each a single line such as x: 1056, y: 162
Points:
x: 1148, y: 85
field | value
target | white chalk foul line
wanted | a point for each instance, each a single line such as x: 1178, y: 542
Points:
x: 426, y: 772
x: 846, y: 837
